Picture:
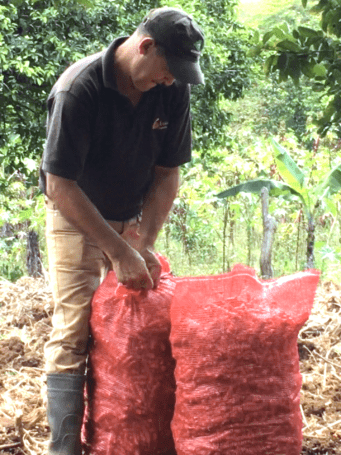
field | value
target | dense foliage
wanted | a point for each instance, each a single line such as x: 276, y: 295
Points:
x: 313, y: 53
x: 231, y: 131
x: 40, y: 38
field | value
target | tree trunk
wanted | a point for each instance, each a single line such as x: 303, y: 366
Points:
x: 299, y: 222
x: 310, y: 243
x: 249, y: 243
x: 33, y: 259
x: 269, y: 228
x: 225, y: 221
x: 6, y: 230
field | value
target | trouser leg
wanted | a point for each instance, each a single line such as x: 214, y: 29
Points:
x: 76, y: 267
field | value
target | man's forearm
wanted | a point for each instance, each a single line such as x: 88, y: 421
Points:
x: 157, y: 204
x: 130, y: 267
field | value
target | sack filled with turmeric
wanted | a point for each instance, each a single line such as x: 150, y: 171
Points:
x: 131, y: 385
x: 234, y: 338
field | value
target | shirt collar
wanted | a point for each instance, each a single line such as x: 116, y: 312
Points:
x: 108, y: 63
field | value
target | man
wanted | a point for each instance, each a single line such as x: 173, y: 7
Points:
x: 118, y: 129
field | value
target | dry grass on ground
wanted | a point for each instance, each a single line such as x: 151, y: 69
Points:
x: 25, y: 318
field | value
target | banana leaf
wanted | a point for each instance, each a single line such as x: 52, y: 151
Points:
x: 287, y: 167
x: 255, y: 186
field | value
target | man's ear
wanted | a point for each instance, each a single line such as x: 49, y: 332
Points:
x: 145, y: 45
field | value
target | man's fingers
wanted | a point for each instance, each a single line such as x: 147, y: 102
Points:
x: 153, y: 265
x: 145, y: 283
x: 141, y: 282
x: 155, y: 273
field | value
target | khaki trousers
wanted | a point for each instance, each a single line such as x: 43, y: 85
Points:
x: 76, y: 267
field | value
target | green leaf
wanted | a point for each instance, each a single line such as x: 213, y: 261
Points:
x: 295, y: 71
x: 18, y: 2
x: 304, y: 3
x: 307, y: 68
x: 320, y: 70
x: 337, y: 75
x: 282, y: 62
x: 279, y: 33
x: 329, y: 253
x: 286, y: 29
x: 87, y: 3
x: 332, y: 183
x: 269, y: 63
x: 30, y: 164
x: 287, y: 167
x: 283, y: 77
x: 288, y: 45
x: 267, y: 36
x: 329, y: 111
x: 255, y: 38
x: 308, y: 32
x: 255, y: 186
x: 295, y: 34
x: 332, y: 206
x: 255, y: 50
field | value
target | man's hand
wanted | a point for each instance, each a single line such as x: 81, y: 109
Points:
x: 156, y: 206
x: 147, y: 253
x: 153, y: 265
x: 130, y: 267
x: 131, y: 270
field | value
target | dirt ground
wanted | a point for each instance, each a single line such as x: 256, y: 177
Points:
x: 25, y: 322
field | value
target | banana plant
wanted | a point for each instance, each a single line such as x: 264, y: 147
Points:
x: 295, y: 182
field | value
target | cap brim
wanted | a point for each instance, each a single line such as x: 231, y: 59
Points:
x: 184, y: 70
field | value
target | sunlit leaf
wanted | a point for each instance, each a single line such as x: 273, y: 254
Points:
x: 256, y: 36
x: 31, y: 165
x: 267, y: 36
x: 320, y: 70
x: 287, y: 167
x: 331, y: 206
x: 255, y: 186
x: 87, y: 3
x: 332, y: 183
x: 329, y: 253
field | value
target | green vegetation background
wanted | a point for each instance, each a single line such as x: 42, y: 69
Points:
x: 234, y: 116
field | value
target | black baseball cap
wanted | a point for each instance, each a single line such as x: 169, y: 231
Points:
x: 182, y: 40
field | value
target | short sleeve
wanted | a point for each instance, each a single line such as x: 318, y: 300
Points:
x: 68, y: 136
x: 178, y: 141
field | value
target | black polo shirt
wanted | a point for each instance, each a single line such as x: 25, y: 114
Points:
x: 96, y: 137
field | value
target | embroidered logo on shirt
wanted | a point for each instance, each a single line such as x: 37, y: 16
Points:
x: 159, y: 125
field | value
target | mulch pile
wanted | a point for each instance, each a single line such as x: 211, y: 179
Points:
x: 25, y: 323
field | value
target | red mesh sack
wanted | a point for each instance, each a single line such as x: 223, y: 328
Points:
x: 131, y: 385
x: 234, y: 339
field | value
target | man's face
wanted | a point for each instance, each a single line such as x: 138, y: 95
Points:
x: 150, y: 68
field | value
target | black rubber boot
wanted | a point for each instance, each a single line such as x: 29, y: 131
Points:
x: 65, y: 408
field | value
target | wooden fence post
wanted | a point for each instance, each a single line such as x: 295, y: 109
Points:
x: 33, y: 259
x: 269, y: 228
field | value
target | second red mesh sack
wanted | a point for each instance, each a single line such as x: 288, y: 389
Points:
x: 234, y: 338
x: 131, y: 385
